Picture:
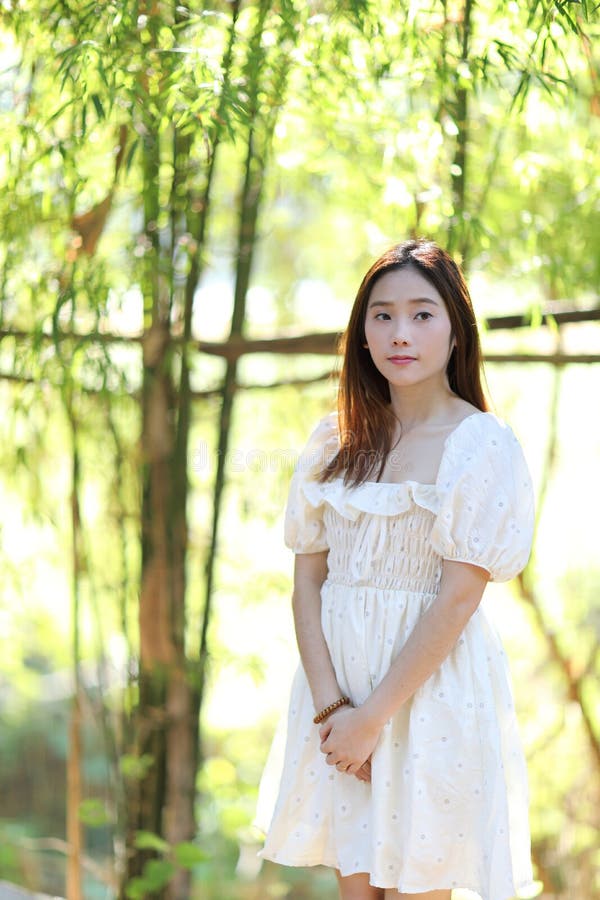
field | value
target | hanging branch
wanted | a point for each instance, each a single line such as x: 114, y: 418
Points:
x: 248, y: 214
x: 74, y: 792
x: 16, y: 167
x: 122, y: 736
x: 259, y: 141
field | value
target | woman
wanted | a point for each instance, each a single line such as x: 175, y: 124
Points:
x: 403, y: 767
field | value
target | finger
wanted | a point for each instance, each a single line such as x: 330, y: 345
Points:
x: 364, y: 773
x: 329, y: 759
x: 325, y: 730
x: 326, y: 737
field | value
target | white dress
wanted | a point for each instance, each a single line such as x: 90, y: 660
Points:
x: 447, y: 806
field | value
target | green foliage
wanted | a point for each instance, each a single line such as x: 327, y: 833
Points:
x: 353, y: 114
x: 188, y: 855
x: 94, y: 813
x: 157, y: 874
x: 145, y: 840
x: 135, y: 767
x: 11, y: 833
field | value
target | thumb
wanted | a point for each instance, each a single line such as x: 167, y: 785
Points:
x: 325, y: 731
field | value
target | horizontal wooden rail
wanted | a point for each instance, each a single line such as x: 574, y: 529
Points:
x: 316, y: 343
x: 10, y: 891
x: 552, y: 359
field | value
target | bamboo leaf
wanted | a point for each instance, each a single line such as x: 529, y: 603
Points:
x: 561, y: 7
x: 131, y: 153
x: 66, y: 76
x: 98, y: 106
x: 102, y: 72
x: 60, y: 110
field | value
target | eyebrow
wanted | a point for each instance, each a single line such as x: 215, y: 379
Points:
x: 412, y: 300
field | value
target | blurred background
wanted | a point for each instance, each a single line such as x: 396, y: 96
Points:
x: 190, y: 196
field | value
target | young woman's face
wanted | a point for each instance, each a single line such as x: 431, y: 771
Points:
x: 407, y: 328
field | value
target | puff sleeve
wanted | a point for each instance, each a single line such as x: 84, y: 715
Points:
x: 486, y: 512
x: 304, y: 529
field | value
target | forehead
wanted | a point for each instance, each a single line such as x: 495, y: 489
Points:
x: 403, y: 285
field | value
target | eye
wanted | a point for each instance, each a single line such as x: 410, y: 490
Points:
x: 426, y: 315
x: 378, y: 316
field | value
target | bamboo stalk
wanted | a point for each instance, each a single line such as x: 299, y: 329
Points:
x: 457, y: 232
x: 146, y: 794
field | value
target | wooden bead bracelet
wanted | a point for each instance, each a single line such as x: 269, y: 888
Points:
x: 320, y: 717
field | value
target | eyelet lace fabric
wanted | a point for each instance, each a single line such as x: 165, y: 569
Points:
x: 448, y: 801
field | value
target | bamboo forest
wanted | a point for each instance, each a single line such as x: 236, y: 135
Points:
x: 191, y: 194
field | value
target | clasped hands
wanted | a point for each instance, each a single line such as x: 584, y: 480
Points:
x: 348, y: 740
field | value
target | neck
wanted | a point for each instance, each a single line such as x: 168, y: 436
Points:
x: 421, y: 404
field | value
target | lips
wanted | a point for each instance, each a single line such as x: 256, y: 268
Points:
x: 400, y: 359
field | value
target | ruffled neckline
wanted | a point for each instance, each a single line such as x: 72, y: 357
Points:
x: 383, y: 498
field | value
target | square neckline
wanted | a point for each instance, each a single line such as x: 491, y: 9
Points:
x: 411, y: 481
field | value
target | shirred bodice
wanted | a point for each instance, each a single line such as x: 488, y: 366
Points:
x: 388, y: 552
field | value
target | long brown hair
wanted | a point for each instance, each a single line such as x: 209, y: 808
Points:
x: 366, y: 421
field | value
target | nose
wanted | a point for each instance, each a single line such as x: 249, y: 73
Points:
x: 401, y: 335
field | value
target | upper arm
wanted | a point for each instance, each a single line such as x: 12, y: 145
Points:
x: 310, y: 569
x: 463, y: 584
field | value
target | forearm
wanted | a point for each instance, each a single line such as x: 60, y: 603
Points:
x: 430, y: 642
x: 314, y: 653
